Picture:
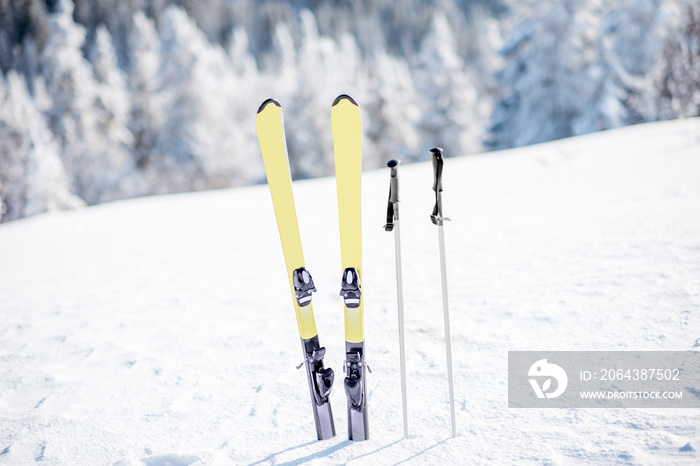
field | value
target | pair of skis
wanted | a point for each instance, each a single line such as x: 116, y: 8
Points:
x: 347, y: 144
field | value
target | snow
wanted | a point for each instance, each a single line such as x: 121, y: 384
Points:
x: 160, y: 330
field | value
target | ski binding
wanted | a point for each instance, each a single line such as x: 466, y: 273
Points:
x: 303, y: 286
x: 350, y: 289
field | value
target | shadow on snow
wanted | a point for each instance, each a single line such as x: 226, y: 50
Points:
x: 334, y: 448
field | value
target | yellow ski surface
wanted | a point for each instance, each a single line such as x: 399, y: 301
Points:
x: 347, y: 144
x: 274, y: 151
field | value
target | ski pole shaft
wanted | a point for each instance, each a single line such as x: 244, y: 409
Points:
x: 402, y: 346
x: 438, y: 220
x: 448, y: 338
x: 393, y: 224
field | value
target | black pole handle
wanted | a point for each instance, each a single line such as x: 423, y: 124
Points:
x: 437, y: 168
x: 394, y: 181
x: 436, y: 216
x: 392, y: 211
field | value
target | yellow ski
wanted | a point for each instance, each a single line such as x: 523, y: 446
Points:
x: 347, y: 144
x: 274, y: 151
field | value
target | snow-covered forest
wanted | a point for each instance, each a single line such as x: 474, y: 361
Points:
x: 104, y: 99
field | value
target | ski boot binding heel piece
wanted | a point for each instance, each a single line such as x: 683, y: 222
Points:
x: 323, y: 376
x: 324, y: 383
x: 353, y: 380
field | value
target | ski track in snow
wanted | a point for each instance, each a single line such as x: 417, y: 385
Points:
x: 160, y: 331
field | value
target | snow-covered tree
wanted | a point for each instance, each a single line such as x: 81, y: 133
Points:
x: 111, y: 109
x: 22, y: 32
x: 392, y: 109
x: 196, y: 144
x: 574, y: 68
x: 679, y: 79
x: 180, y: 164
x: 71, y: 85
x: 242, y: 59
x: 451, y: 114
x: 322, y: 71
x: 146, y: 108
x: 306, y: 78
x: 639, y: 31
x: 425, y: 73
x: 32, y: 179
x: 78, y: 113
x: 546, y: 77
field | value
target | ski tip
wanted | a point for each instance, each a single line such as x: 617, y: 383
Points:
x: 344, y: 97
x: 436, y: 150
x: 268, y: 101
x: 393, y: 163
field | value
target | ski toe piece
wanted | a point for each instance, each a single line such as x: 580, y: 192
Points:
x: 350, y: 289
x: 303, y: 286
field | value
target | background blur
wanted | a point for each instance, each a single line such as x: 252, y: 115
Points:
x: 108, y: 99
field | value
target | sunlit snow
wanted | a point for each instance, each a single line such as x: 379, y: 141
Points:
x: 161, y: 330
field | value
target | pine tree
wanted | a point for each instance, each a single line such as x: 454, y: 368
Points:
x: 679, y: 79
x: 146, y: 112
x: 315, y: 81
x: 549, y: 59
x: 197, y: 143
x: 111, y: 108
x: 81, y: 109
x: 71, y: 85
x: 32, y: 179
x: 451, y: 110
x: 395, y: 108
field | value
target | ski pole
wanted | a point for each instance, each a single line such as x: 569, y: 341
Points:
x: 392, y: 223
x: 438, y: 220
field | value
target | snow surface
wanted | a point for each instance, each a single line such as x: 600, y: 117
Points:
x: 160, y: 330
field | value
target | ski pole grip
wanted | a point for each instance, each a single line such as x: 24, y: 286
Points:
x: 394, y: 186
x: 437, y: 168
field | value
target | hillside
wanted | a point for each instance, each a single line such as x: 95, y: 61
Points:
x: 160, y: 330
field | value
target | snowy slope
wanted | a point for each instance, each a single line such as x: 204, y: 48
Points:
x: 160, y: 330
